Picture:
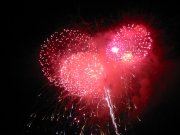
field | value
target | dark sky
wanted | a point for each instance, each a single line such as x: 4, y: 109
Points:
x: 30, y: 22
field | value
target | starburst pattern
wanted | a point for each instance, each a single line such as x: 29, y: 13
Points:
x: 59, y: 51
x: 130, y: 43
x: 82, y: 74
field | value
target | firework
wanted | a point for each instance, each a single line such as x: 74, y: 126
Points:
x: 90, y: 81
x: 82, y: 74
x: 130, y: 43
x: 66, y: 61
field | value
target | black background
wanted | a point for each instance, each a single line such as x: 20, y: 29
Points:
x: 30, y: 22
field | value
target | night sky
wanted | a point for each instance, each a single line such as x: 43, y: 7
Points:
x: 30, y: 22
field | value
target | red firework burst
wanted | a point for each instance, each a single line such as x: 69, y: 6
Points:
x: 57, y: 50
x: 82, y: 74
x: 130, y: 43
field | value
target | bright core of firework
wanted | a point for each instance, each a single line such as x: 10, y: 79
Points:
x: 115, y: 49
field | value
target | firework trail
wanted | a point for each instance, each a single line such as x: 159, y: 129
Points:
x: 108, y: 99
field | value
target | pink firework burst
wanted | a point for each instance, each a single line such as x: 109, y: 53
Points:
x: 68, y: 60
x: 130, y: 43
x: 82, y: 74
